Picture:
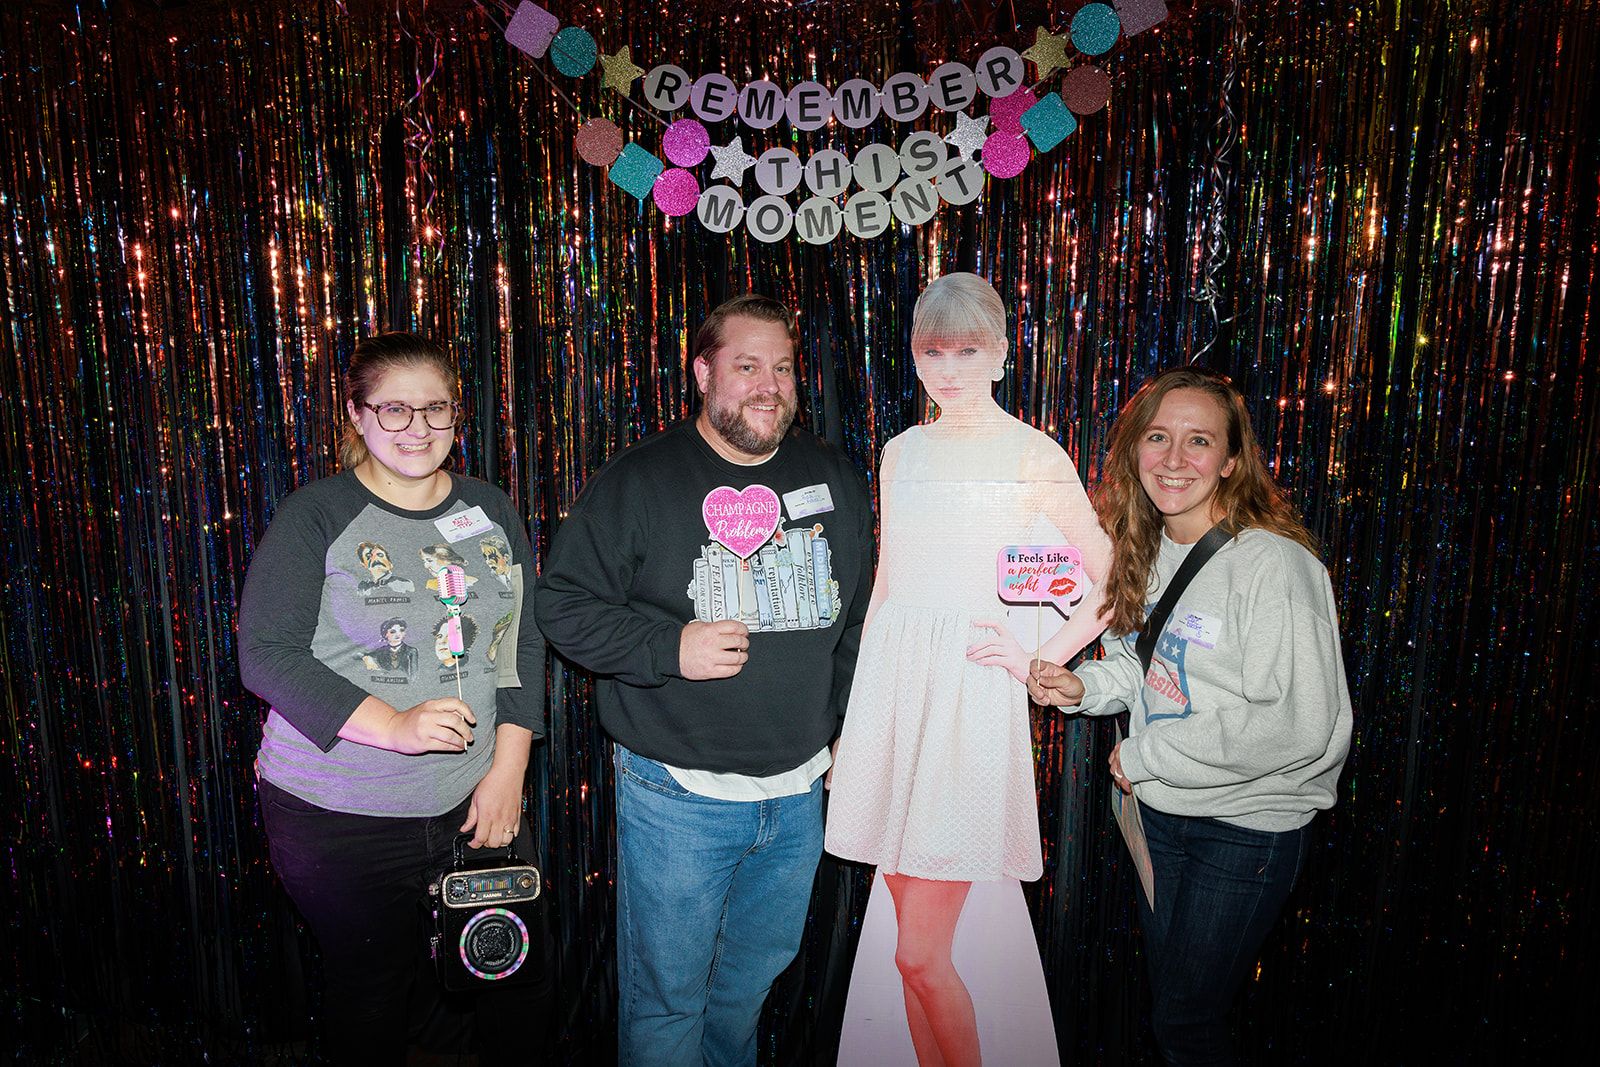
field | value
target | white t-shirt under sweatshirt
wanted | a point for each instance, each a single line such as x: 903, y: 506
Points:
x: 1244, y: 714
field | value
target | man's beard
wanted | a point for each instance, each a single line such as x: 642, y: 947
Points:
x: 730, y: 423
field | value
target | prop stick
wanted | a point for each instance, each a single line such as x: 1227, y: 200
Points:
x: 1038, y: 634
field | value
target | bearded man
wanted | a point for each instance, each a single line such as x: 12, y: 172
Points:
x: 714, y: 577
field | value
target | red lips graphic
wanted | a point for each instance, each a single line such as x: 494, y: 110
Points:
x: 1062, y: 586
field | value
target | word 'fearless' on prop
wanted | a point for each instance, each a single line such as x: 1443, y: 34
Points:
x: 903, y: 182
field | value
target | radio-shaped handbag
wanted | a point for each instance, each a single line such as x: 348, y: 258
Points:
x: 486, y: 924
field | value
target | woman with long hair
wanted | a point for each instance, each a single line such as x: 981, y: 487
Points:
x: 1240, y: 726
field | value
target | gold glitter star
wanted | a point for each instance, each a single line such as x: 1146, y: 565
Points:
x: 1048, y: 53
x: 620, y: 71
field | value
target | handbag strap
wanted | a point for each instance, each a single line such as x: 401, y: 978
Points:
x: 1203, y: 550
x: 458, y: 850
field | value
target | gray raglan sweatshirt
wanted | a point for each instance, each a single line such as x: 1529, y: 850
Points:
x: 1244, y: 715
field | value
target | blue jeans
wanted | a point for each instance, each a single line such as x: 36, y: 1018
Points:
x: 1219, y: 889
x: 711, y: 904
x: 360, y: 882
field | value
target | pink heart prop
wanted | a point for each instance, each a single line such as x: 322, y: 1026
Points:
x: 741, y: 522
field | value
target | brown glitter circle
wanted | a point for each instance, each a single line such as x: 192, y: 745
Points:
x: 1086, y: 90
x: 599, y: 141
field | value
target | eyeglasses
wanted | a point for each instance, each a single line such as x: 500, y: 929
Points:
x: 395, y: 417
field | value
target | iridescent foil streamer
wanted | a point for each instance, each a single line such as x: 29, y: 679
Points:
x: 204, y: 206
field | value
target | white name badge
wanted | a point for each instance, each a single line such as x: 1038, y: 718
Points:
x: 1196, y: 628
x: 811, y: 500
x: 464, y: 524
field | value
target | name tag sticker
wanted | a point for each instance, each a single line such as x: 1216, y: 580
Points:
x: 1195, y: 627
x: 464, y: 524
x: 812, y: 500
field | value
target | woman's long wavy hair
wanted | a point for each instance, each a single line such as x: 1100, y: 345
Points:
x: 376, y: 356
x: 1246, y: 497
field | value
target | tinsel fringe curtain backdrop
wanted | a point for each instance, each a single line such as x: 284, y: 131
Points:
x: 1380, y: 217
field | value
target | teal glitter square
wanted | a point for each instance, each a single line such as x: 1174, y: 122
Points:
x: 636, y: 170
x: 1048, y: 122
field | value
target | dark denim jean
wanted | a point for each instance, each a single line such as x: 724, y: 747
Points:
x: 1219, y: 888
x: 360, y: 882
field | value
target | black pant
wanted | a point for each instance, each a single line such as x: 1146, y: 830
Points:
x: 360, y: 881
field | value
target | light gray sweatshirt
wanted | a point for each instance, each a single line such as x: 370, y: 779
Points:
x: 1244, y: 715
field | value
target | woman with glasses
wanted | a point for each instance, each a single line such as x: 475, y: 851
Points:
x: 1241, y: 722
x: 367, y: 775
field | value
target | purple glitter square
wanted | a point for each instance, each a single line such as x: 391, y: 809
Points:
x: 1139, y: 15
x: 531, y: 29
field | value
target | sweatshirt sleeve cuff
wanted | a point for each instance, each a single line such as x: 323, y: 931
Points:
x: 521, y: 709
x: 1133, y: 768
x: 1099, y: 692
x: 665, y: 644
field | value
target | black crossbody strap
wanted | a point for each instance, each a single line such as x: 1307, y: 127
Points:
x: 1203, y: 550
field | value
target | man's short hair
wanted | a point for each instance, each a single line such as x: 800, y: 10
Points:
x: 751, y: 306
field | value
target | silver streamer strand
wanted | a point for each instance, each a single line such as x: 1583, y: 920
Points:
x: 1214, y: 235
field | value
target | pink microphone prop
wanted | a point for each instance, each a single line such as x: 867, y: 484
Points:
x: 453, y: 593
x: 453, y: 585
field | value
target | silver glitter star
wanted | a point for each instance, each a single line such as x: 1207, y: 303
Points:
x: 969, y: 134
x: 732, y: 161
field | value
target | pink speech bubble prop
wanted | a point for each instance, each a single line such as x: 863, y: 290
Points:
x: 741, y: 522
x: 1033, y: 574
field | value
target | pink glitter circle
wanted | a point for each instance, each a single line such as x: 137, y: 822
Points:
x: 686, y: 142
x: 676, y: 192
x: 1006, y: 154
x: 599, y: 142
x: 1006, y: 112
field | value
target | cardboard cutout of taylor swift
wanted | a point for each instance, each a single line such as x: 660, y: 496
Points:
x: 934, y: 781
